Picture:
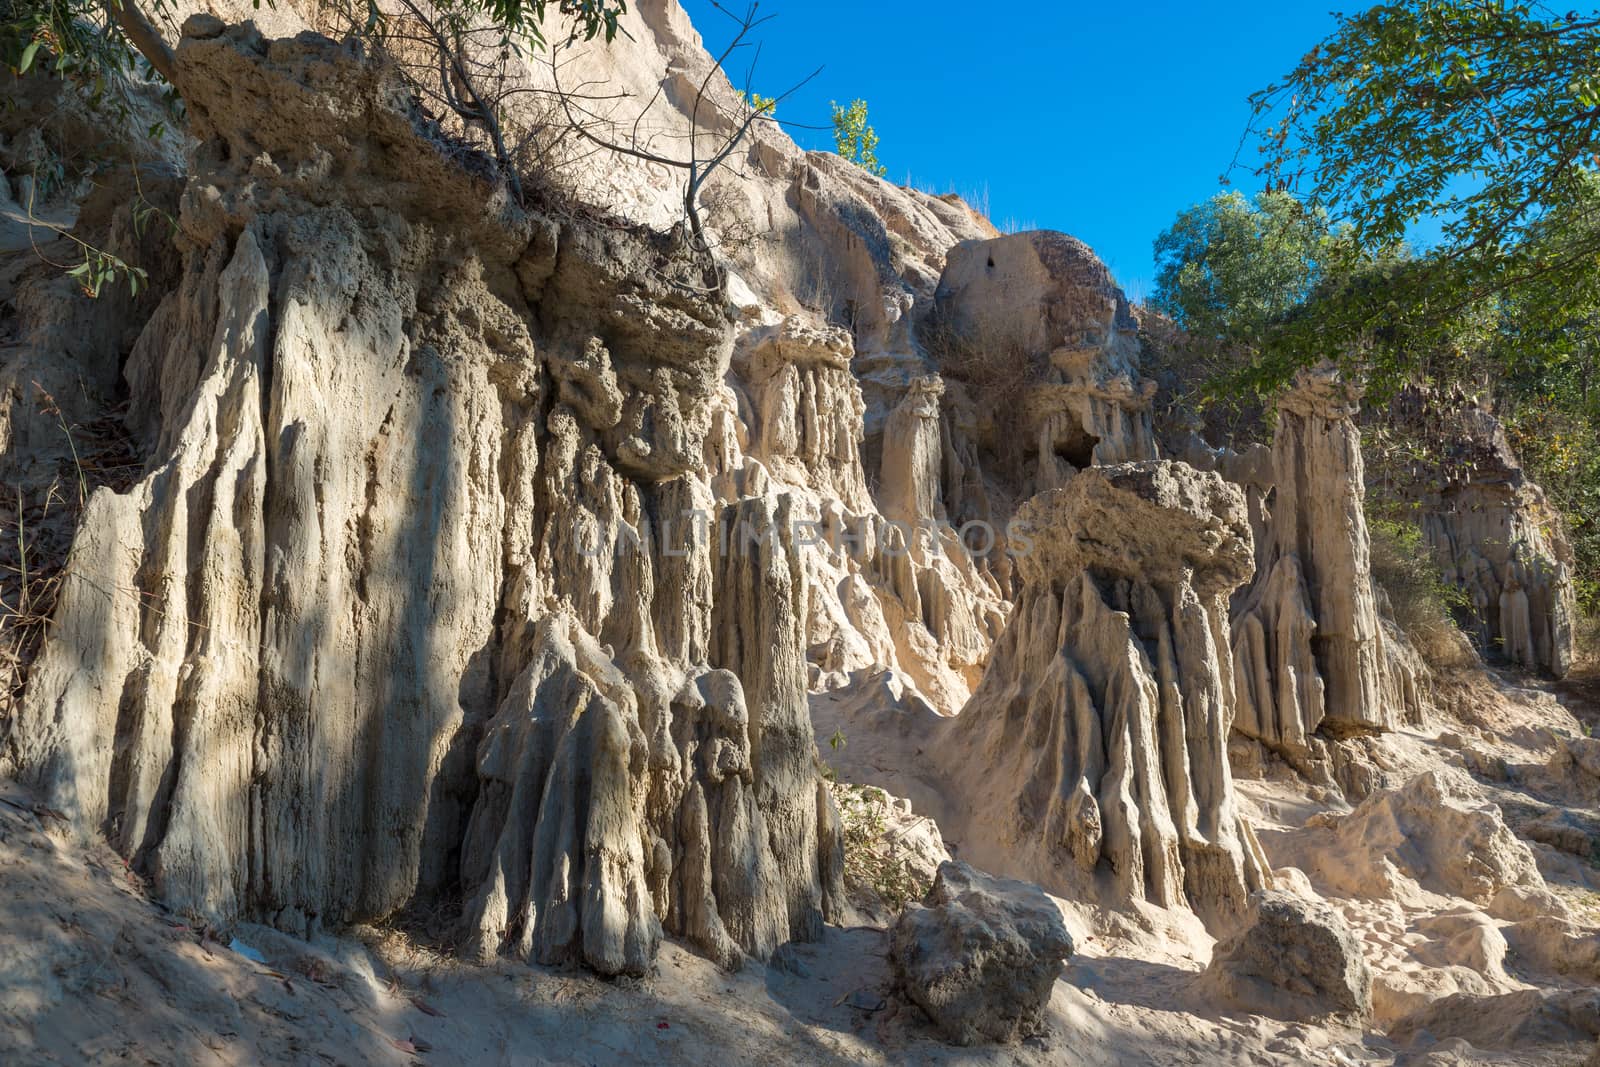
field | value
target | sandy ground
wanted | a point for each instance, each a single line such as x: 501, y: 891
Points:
x: 93, y: 972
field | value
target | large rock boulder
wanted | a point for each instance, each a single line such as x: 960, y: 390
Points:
x: 1041, y: 307
x: 1297, y: 959
x: 980, y: 955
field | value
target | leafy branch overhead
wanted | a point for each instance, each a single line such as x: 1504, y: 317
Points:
x: 1486, y: 115
x: 1482, y: 119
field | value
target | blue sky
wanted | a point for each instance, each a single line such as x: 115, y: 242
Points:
x: 1100, y: 119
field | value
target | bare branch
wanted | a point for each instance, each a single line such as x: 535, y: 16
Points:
x: 145, y: 37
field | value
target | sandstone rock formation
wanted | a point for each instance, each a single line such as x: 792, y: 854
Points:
x: 1555, y: 945
x: 980, y: 955
x: 1494, y: 535
x: 911, y: 474
x: 1297, y: 959
x: 807, y: 417
x: 1041, y: 306
x: 892, y: 584
x: 1427, y: 835
x: 1092, y: 757
x: 396, y: 587
x: 476, y: 556
x: 1310, y: 650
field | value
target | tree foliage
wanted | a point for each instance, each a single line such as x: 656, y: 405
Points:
x: 1481, y: 118
x: 64, y: 37
x: 854, y: 138
x: 761, y: 105
x: 1230, y: 269
x: 1485, y: 114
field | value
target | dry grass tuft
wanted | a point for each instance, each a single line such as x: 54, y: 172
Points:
x: 996, y: 370
x: 1420, y: 600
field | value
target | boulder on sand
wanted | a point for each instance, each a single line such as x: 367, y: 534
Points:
x: 980, y: 955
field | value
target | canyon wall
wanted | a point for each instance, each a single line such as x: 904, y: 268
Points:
x: 385, y: 613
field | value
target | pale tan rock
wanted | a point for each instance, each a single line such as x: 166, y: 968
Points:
x: 1092, y: 757
x: 901, y: 852
x: 1556, y: 945
x: 1310, y: 645
x: 1296, y: 959
x: 1517, y: 902
x: 1495, y: 535
x: 1464, y: 938
x: 61, y: 354
x: 1429, y: 834
x: 1510, y: 1020
x: 910, y: 482
x: 1045, y: 300
x: 808, y: 408
x: 980, y: 955
x: 1575, y: 766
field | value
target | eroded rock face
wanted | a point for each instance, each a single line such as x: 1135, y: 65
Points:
x: 1092, y: 756
x: 1494, y: 535
x: 1296, y: 960
x: 1044, y: 298
x: 911, y: 481
x: 1429, y: 834
x: 980, y: 955
x: 399, y: 587
x: 869, y: 255
x: 1309, y: 645
x: 807, y: 408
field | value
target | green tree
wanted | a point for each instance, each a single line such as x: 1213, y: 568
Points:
x: 1229, y: 269
x: 1484, y: 117
x: 1247, y: 282
x: 854, y: 139
x: 761, y: 105
x: 1251, y: 283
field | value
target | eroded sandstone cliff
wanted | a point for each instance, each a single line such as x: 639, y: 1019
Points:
x: 393, y: 607
x: 495, y: 559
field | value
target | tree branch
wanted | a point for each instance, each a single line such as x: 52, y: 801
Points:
x: 143, y: 35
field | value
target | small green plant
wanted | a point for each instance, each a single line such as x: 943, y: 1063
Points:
x: 837, y: 741
x: 854, y: 138
x: 761, y: 105
x: 873, y: 860
x: 1424, y: 604
x: 99, y: 266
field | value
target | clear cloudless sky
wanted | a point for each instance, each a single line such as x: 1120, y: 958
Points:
x: 1102, y: 119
